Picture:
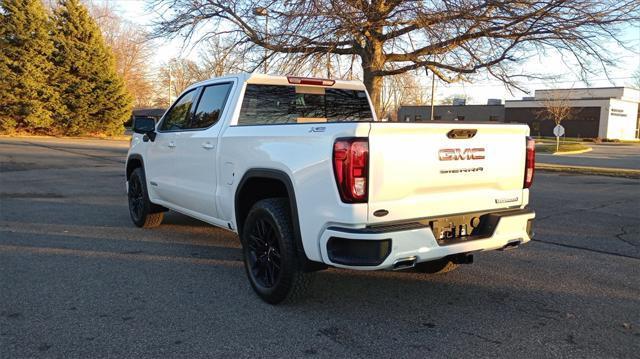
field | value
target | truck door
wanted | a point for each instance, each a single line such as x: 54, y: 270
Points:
x: 197, y: 150
x: 162, y: 154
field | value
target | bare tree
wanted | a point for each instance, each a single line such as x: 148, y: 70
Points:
x: 452, y: 38
x: 402, y: 89
x: 131, y: 48
x: 557, y: 109
x: 174, y: 77
x: 220, y: 57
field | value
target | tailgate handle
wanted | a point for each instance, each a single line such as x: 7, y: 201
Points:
x: 462, y: 133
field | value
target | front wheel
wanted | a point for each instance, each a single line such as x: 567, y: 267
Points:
x: 143, y: 213
x: 270, y: 257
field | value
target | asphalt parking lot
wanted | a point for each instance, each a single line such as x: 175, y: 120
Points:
x: 613, y: 155
x: 77, y: 279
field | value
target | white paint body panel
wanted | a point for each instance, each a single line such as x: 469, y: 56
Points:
x: 421, y: 243
x: 405, y: 171
x: 404, y: 174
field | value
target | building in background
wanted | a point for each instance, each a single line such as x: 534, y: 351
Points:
x: 493, y: 111
x: 609, y: 112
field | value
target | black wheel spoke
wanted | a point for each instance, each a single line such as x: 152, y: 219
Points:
x: 259, y: 242
x: 136, y: 198
x: 276, y: 264
x: 264, y: 253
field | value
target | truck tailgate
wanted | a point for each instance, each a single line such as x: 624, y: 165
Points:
x: 420, y: 170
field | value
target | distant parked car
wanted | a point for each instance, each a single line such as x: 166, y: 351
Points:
x: 154, y: 113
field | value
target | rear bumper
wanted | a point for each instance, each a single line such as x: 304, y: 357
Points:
x: 380, y: 248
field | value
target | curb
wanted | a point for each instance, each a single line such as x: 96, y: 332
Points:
x: 598, y: 171
x: 572, y: 152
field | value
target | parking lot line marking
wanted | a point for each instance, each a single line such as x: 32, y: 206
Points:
x: 103, y: 233
x: 115, y: 255
x: 585, y: 249
x: 77, y: 153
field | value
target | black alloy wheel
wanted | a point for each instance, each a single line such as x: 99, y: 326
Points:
x: 143, y: 213
x: 264, y: 253
x: 271, y: 260
x: 136, y: 199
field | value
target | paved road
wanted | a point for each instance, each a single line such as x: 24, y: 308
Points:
x: 77, y: 279
x: 605, y: 155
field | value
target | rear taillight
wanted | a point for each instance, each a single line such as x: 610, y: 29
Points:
x: 351, y: 168
x: 530, y: 162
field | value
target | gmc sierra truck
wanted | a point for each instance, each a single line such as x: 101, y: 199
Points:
x: 308, y: 177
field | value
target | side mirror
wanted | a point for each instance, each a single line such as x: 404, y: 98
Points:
x: 145, y: 126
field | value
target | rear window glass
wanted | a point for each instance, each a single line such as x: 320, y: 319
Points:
x: 210, y: 106
x: 275, y: 104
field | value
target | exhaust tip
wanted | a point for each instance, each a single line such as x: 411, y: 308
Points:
x: 405, y: 263
x: 511, y: 245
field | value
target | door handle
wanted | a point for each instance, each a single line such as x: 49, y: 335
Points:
x: 171, y: 144
x: 208, y: 146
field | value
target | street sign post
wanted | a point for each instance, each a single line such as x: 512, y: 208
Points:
x: 558, y: 131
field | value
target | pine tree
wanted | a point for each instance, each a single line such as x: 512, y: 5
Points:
x: 26, y: 98
x: 94, y: 98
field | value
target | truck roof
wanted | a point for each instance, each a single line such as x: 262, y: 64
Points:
x: 265, y: 79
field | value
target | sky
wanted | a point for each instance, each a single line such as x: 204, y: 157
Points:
x: 477, y: 92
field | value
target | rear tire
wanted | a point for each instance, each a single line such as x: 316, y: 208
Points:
x: 143, y: 213
x: 439, y: 266
x: 269, y: 250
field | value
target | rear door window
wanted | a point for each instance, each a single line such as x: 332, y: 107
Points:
x: 210, y: 106
x: 278, y: 104
x: 178, y: 116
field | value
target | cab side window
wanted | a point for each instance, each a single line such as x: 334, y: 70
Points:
x: 178, y: 116
x: 210, y: 106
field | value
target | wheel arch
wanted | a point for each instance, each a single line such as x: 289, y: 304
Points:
x: 261, y: 183
x: 133, y: 161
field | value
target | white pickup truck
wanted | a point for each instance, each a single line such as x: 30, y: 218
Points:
x: 308, y: 177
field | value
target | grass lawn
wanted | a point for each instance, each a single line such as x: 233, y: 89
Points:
x: 550, y: 147
x: 562, y: 140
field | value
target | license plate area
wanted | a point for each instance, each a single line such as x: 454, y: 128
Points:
x: 461, y: 228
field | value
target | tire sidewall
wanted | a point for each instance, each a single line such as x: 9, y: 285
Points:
x: 266, y: 209
x: 138, y: 175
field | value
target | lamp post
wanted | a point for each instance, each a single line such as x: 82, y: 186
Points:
x: 169, y: 84
x: 433, y: 87
x: 263, y: 11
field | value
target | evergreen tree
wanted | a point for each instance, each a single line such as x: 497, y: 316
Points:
x: 26, y: 98
x: 94, y: 98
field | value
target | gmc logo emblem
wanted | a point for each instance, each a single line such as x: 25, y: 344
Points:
x: 459, y: 154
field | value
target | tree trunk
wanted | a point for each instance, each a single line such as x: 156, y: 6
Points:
x: 374, y: 87
x: 373, y: 60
